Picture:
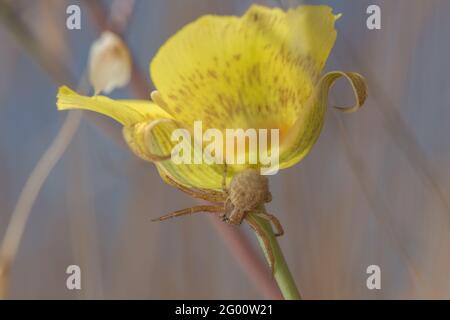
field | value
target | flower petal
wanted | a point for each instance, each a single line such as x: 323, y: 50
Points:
x: 147, y: 131
x: 254, y: 71
x: 155, y: 137
x: 127, y: 112
x: 307, y: 127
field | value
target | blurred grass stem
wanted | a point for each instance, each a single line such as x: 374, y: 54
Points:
x: 37, y: 178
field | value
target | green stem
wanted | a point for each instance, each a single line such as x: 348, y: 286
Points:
x: 282, y: 274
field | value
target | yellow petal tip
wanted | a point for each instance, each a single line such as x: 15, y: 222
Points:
x: 63, y: 91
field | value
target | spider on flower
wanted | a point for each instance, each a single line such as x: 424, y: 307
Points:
x: 246, y: 195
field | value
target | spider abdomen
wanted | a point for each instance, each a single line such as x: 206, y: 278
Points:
x: 248, y: 190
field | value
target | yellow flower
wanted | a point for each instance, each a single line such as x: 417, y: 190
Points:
x: 261, y: 70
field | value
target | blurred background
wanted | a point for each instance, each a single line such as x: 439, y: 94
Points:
x: 374, y: 190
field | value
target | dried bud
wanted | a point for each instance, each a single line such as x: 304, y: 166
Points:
x: 109, y: 63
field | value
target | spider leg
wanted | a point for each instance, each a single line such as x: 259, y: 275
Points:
x: 187, y: 211
x: 204, y: 194
x: 271, y: 218
x: 260, y: 232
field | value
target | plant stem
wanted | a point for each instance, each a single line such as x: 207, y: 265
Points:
x: 282, y: 274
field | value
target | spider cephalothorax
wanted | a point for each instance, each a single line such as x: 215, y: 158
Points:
x: 247, y: 194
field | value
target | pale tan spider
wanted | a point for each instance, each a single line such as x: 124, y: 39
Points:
x: 248, y: 191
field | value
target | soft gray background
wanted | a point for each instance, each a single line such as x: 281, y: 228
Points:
x: 374, y: 190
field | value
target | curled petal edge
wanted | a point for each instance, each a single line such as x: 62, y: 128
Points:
x: 305, y: 131
x: 359, y: 88
x: 141, y: 137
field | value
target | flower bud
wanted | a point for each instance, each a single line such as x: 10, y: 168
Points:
x: 109, y: 63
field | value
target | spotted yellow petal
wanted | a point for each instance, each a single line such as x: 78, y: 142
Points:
x: 306, y: 129
x: 255, y: 71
